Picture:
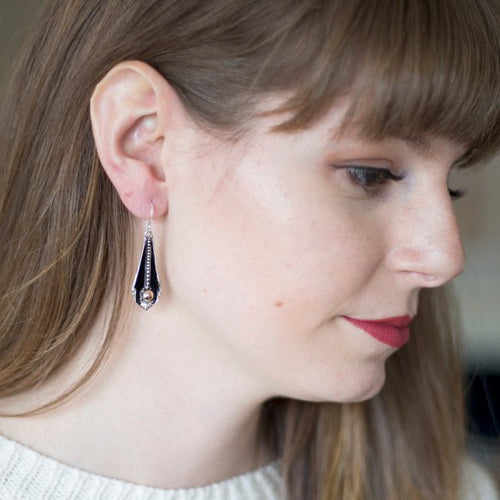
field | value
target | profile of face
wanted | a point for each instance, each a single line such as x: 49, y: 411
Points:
x: 271, y: 241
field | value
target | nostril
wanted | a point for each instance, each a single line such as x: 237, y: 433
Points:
x: 427, y: 280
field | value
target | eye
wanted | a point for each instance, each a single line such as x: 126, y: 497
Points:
x: 370, y: 179
x: 456, y: 194
x: 457, y: 176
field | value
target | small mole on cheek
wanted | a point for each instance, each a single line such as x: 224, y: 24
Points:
x: 278, y: 304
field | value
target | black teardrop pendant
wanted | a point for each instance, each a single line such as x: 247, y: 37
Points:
x: 146, y: 288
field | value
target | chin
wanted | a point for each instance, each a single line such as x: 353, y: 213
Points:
x: 367, y: 386
x: 370, y: 390
x: 351, y: 388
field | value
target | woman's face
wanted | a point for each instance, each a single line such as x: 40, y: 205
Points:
x: 272, y: 241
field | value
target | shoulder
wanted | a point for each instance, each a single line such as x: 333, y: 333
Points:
x: 477, y: 483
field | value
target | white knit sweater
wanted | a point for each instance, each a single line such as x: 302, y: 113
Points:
x: 28, y: 475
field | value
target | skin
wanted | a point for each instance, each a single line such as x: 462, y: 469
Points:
x: 263, y: 245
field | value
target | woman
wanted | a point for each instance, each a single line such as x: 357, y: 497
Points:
x: 289, y: 162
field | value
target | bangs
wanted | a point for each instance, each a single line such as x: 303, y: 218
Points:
x: 410, y: 69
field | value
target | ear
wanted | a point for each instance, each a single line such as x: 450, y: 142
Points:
x: 134, y: 113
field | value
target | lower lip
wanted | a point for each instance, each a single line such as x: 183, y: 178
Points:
x: 390, y: 335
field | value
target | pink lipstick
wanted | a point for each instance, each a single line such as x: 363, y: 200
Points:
x: 394, y: 332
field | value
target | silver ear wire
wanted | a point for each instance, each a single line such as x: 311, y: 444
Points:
x: 146, y: 288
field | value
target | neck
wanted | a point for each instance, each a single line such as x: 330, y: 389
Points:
x: 170, y: 409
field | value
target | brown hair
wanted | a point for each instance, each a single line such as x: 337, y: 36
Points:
x: 412, y: 68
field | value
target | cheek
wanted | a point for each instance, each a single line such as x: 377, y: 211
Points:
x: 271, y: 264
x: 266, y: 266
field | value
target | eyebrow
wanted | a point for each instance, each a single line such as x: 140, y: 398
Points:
x: 419, y: 145
x: 424, y: 148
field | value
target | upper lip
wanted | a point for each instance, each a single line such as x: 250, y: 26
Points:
x: 396, y: 321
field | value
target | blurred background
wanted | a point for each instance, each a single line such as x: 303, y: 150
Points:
x: 478, y: 288
x: 478, y: 292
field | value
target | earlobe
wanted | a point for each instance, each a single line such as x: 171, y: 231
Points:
x: 132, y: 110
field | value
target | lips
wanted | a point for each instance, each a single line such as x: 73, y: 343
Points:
x: 394, y: 332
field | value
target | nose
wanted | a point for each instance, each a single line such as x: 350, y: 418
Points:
x: 427, y: 248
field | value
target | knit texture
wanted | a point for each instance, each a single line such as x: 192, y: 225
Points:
x: 28, y: 475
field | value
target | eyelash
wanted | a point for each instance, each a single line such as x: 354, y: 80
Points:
x: 372, y: 179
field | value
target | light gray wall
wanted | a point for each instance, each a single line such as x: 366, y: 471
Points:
x: 16, y: 17
x: 479, y: 217
x: 478, y: 288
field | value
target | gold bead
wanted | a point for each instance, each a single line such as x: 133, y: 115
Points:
x: 147, y: 295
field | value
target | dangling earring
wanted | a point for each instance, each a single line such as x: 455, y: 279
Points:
x: 146, y: 288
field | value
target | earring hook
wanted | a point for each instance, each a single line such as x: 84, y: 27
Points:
x: 148, y: 233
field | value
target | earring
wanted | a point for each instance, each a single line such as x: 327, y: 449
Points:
x: 146, y: 288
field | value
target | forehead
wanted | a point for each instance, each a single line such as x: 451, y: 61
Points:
x: 340, y: 126
x: 337, y: 126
